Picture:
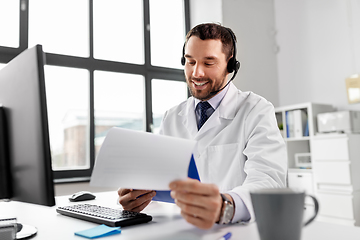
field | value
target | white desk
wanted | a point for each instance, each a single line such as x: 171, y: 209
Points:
x: 167, y: 223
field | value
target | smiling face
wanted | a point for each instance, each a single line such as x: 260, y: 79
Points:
x: 205, y: 67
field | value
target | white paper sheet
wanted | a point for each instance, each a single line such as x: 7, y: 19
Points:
x: 140, y: 160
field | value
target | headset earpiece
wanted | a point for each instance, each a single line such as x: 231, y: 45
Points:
x: 183, y: 60
x: 237, y: 66
x: 230, y: 65
x: 233, y: 64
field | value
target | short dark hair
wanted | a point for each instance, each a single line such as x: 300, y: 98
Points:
x: 214, y: 31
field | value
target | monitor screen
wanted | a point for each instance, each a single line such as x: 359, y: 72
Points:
x: 23, y: 99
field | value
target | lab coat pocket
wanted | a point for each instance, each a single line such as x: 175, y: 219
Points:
x: 225, y: 166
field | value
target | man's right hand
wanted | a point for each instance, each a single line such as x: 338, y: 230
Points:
x: 135, y: 200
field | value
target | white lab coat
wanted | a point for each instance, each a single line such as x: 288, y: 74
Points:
x: 239, y: 148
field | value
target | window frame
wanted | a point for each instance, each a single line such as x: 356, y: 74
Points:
x: 91, y: 64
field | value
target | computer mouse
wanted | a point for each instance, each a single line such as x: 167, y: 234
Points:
x: 82, y: 196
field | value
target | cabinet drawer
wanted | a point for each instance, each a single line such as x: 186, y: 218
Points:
x: 330, y: 149
x: 332, y: 172
x: 303, y: 181
x: 336, y: 205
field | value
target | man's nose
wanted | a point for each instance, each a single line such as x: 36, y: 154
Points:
x: 198, y: 71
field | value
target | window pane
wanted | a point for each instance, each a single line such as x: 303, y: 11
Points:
x: 9, y: 23
x: 165, y: 95
x: 119, y: 30
x: 67, y: 93
x: 119, y: 102
x: 60, y: 26
x: 167, y: 21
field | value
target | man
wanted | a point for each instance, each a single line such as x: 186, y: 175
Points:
x: 239, y: 145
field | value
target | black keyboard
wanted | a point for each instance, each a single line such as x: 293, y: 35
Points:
x: 104, y: 215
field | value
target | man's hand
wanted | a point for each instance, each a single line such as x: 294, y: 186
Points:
x: 200, y: 203
x: 135, y: 200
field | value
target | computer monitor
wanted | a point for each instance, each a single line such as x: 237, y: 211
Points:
x: 26, y: 146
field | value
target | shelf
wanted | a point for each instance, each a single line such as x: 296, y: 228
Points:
x: 299, y: 170
x: 297, y: 139
x: 293, y: 107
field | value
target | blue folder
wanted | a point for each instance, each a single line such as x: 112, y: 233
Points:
x: 164, y: 196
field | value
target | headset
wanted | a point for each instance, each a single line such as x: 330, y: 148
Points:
x: 233, y: 65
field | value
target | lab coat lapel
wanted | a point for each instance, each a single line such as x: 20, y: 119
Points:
x: 229, y: 105
x: 188, y: 117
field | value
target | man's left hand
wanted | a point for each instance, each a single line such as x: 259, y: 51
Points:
x: 200, y: 203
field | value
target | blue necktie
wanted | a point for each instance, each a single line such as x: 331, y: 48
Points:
x: 204, y: 106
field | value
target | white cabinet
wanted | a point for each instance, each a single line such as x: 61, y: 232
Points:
x: 334, y: 173
x: 299, y: 144
x: 301, y: 180
x: 336, y: 168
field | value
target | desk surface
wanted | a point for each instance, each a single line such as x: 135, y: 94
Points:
x: 167, y: 223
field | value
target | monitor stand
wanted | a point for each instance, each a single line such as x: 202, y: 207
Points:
x: 26, y: 231
x: 5, y: 171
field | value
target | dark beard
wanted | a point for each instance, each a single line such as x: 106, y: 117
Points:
x: 194, y: 93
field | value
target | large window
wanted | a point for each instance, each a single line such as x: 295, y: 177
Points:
x: 60, y: 26
x: 119, y: 31
x: 167, y: 36
x: 67, y: 96
x: 9, y: 23
x: 109, y: 63
x: 119, y: 102
x: 166, y: 94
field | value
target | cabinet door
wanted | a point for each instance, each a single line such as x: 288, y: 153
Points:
x: 336, y: 205
x: 330, y: 149
x: 336, y: 172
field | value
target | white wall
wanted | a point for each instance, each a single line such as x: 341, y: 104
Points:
x: 254, y: 25
x: 205, y: 11
x: 319, y: 47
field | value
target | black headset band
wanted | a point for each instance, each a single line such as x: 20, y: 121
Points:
x: 234, y: 42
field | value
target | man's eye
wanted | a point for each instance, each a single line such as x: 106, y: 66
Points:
x: 191, y: 63
x: 209, y: 63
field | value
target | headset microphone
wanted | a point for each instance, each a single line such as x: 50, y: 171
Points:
x: 232, y: 78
